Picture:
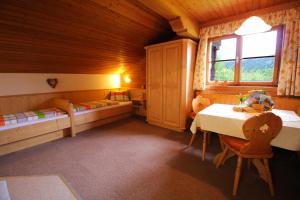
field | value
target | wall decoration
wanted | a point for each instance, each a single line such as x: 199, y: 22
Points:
x: 52, y: 82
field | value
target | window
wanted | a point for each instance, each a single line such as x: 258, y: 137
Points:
x: 245, y: 60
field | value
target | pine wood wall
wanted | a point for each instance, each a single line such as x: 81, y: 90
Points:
x: 75, y: 36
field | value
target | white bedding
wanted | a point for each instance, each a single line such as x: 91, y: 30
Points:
x: 2, y: 128
x: 103, y: 108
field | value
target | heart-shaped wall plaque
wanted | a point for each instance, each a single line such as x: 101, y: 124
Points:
x: 52, y: 82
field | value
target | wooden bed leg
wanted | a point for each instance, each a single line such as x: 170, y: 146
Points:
x: 73, y: 132
x: 72, y: 119
x: 67, y: 106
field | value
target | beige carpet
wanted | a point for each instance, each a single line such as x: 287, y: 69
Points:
x: 133, y: 160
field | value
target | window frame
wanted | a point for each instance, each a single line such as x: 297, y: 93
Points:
x: 238, y: 59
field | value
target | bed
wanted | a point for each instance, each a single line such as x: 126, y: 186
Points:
x: 96, y: 113
x: 31, y: 128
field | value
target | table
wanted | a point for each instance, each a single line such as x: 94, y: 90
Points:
x: 220, y: 118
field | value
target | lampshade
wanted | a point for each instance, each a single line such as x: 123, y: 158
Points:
x: 253, y: 25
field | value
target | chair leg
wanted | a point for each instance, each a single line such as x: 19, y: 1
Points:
x: 269, y: 176
x: 221, y: 159
x: 237, y: 175
x: 192, y: 139
x: 204, y: 145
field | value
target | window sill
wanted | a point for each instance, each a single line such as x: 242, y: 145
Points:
x: 221, y: 89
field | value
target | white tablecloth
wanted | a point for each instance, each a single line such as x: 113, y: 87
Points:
x: 220, y: 118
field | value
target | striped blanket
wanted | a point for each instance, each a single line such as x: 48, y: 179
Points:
x: 119, y: 95
x: 93, y: 105
x: 10, y: 119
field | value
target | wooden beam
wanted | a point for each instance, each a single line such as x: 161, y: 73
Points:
x: 263, y: 11
x: 169, y: 9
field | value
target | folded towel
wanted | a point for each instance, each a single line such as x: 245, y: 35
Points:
x: 21, y: 117
x: 31, y: 116
x: 97, y: 104
x: 1, y: 121
x: 78, y: 108
x: 110, y: 102
x: 10, y: 119
x: 40, y: 114
x: 58, y: 112
x: 48, y: 113
x: 87, y: 106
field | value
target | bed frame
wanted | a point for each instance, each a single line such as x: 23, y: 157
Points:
x: 46, y: 130
x: 89, y: 119
x: 38, y: 132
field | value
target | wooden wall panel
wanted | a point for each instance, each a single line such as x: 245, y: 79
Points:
x: 21, y: 103
x: 75, y: 36
x: 284, y: 103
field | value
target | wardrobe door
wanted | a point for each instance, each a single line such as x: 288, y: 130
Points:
x: 171, y: 84
x: 154, y: 84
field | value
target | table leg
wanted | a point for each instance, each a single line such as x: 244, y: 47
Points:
x: 204, y: 145
x: 221, y: 142
x: 208, y: 138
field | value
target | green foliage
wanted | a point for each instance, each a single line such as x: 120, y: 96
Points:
x: 255, y: 69
x: 224, y: 71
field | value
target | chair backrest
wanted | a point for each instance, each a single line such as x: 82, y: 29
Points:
x: 199, y: 103
x: 260, y: 130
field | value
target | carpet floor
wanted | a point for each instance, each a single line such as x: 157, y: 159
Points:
x: 130, y: 160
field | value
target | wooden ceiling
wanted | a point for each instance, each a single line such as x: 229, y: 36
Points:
x: 188, y: 16
x: 103, y: 36
x: 78, y: 36
x: 207, y: 10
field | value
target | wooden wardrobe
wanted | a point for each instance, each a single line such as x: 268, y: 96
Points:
x: 170, y: 69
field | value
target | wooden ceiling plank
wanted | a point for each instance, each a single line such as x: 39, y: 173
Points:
x: 278, y: 7
x: 132, y: 12
x: 206, y: 11
x: 75, y: 36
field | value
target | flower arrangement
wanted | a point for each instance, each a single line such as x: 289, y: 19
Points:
x: 259, y: 100
x: 254, y: 101
x: 242, y: 98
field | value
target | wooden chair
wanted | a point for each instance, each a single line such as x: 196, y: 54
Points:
x: 198, y: 104
x: 259, y: 131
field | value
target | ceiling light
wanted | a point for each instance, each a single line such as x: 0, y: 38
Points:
x: 253, y: 25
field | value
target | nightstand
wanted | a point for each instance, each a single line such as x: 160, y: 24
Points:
x: 139, y: 106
